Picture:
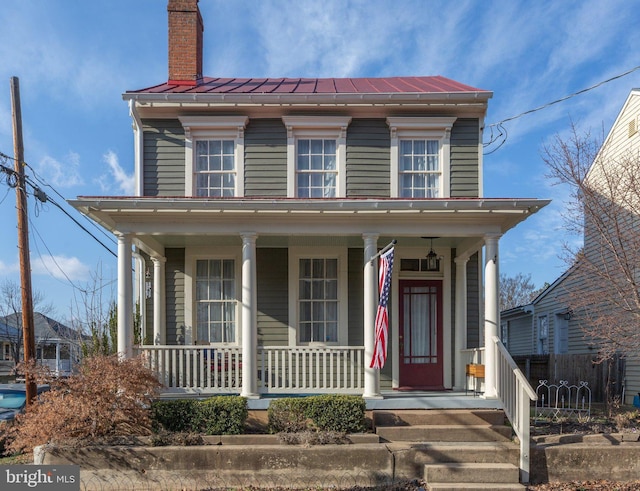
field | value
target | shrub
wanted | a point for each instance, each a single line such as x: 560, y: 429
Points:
x: 219, y: 415
x: 339, y: 413
x: 174, y: 416
x: 108, y: 397
x: 288, y: 415
x: 222, y: 415
x: 333, y: 413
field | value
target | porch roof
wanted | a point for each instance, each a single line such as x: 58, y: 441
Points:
x: 161, y: 218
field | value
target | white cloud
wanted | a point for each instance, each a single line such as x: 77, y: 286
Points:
x: 117, y: 177
x: 6, y: 269
x: 61, y: 174
x: 61, y: 267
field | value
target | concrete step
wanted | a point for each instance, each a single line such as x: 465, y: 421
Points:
x: 478, y: 452
x: 411, y: 417
x: 445, y: 433
x: 456, y: 472
x: 468, y: 486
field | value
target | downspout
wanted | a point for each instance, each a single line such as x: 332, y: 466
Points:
x: 138, y: 137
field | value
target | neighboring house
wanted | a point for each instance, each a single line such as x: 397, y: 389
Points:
x: 259, y: 204
x: 57, y: 346
x: 8, y: 337
x: 548, y: 324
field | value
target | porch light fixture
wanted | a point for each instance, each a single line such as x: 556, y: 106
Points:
x: 433, y: 261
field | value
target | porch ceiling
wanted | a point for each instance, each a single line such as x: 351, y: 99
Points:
x: 189, y: 221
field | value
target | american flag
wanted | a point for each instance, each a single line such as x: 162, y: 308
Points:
x: 382, y: 315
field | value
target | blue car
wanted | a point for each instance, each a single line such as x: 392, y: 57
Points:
x: 13, y: 399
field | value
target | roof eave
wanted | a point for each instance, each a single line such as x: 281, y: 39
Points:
x: 475, y: 97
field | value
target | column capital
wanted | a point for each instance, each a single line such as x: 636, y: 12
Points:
x: 370, y: 236
x: 464, y: 259
x: 159, y: 259
x: 248, y: 236
x: 492, y: 236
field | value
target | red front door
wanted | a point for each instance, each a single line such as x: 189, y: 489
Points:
x: 420, y: 334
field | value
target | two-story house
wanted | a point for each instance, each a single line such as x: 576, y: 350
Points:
x: 259, y: 205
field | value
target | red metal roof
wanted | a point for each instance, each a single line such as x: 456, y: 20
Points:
x: 385, y: 85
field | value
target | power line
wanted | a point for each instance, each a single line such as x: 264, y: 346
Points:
x: 502, y: 132
x: 544, y: 106
x: 43, y: 197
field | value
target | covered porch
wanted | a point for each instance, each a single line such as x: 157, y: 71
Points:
x: 261, y: 351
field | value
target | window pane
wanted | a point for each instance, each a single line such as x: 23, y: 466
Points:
x: 316, y: 162
x: 305, y: 311
x: 227, y: 162
x: 331, y: 268
x: 318, y: 268
x: 305, y: 289
x: 202, y: 147
x: 419, y: 147
x: 303, y: 162
x: 331, y: 290
x: 228, y: 147
x: 432, y: 147
x: 317, y: 289
x: 316, y: 147
x: 215, y: 147
x: 432, y: 163
x: 305, y: 333
x: 318, y: 331
x: 303, y: 147
x: 332, y: 311
x: 332, y: 332
x: 202, y: 163
x: 330, y: 162
x: 330, y: 147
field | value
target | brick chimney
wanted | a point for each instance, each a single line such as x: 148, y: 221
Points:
x: 185, y: 42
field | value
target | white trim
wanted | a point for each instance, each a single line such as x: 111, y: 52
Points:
x: 430, y: 128
x: 191, y: 255
x: 297, y: 253
x: 325, y: 127
x: 218, y: 128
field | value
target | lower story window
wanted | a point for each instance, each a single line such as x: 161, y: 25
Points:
x: 318, y: 304
x: 216, y: 303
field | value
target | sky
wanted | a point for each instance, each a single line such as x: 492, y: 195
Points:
x: 75, y: 59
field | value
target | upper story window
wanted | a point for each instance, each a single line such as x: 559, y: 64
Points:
x: 316, y: 169
x: 316, y: 156
x: 214, y: 155
x: 215, y: 172
x: 420, y: 156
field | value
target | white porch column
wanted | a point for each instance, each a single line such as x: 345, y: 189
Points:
x: 125, y: 297
x: 371, y: 375
x: 249, y: 316
x: 491, y: 312
x: 461, y: 321
x: 159, y: 299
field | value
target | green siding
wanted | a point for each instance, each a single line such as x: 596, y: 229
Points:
x: 265, y: 150
x: 473, y: 302
x: 273, y: 295
x: 175, y: 285
x: 164, y: 158
x: 356, y: 297
x: 368, y: 158
x: 465, y: 139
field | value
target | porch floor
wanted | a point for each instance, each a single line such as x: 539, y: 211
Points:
x: 406, y: 400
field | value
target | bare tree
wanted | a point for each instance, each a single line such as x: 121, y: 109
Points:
x: 604, y: 291
x: 516, y: 291
x: 93, y: 314
x: 11, y: 307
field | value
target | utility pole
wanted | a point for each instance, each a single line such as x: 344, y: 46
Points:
x: 23, y: 244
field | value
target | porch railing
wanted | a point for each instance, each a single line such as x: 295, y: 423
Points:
x: 516, y: 394
x: 195, y: 367
x: 284, y: 369
x: 280, y: 369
